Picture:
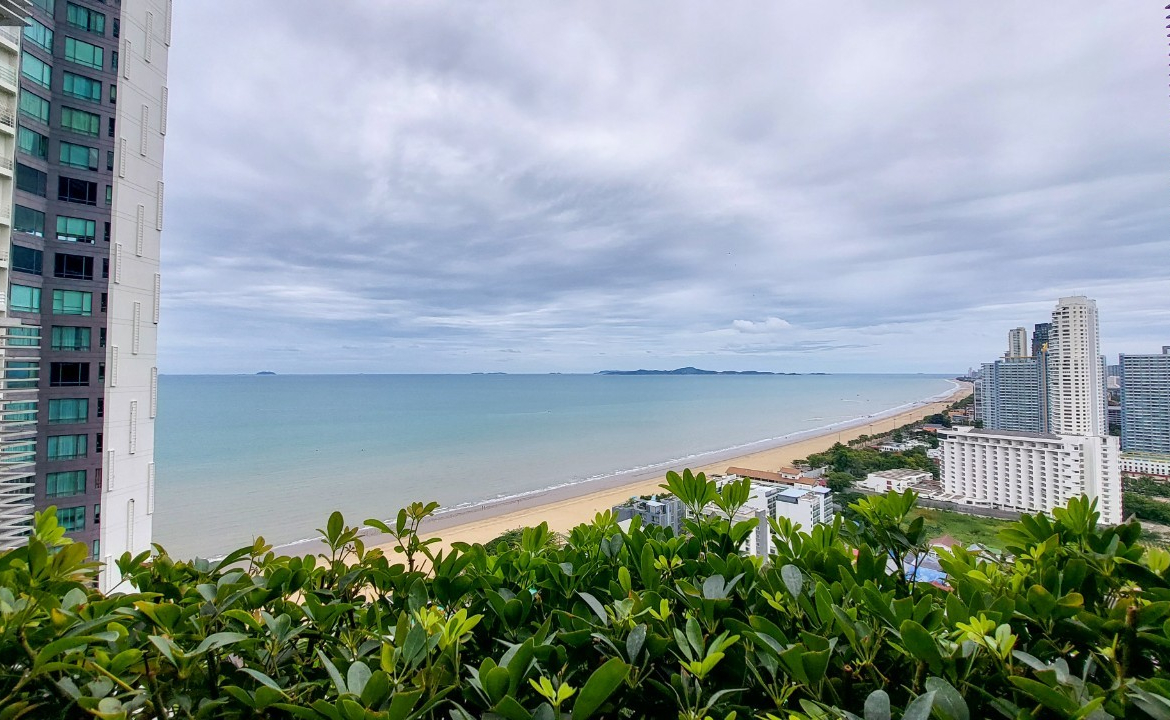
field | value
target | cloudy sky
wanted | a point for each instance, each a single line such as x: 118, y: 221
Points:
x: 531, y: 187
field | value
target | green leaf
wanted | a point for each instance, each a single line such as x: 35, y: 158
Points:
x: 921, y: 645
x: 334, y: 675
x: 948, y: 702
x: 357, y: 677
x: 597, y: 689
x: 793, y: 579
x: 218, y: 640
x: 596, y: 606
x: 1045, y: 695
x: 403, y: 703
x: 634, y: 642
x: 877, y: 706
x: 919, y: 708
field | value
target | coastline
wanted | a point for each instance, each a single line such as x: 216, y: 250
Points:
x: 570, y: 504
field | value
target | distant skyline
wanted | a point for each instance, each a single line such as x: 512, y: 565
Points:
x: 570, y: 187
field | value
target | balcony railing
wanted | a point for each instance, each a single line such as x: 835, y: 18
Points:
x: 7, y: 75
x: 7, y: 117
x: 10, y: 34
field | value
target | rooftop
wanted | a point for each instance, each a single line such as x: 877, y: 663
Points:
x: 900, y: 473
x: 769, y: 476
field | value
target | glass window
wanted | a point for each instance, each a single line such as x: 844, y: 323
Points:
x: 80, y: 86
x: 25, y: 299
x: 24, y: 336
x: 68, y: 410
x: 72, y: 267
x: 79, y: 156
x: 30, y: 180
x: 34, y: 106
x: 114, y: 58
x: 109, y: 194
x: 20, y: 412
x: 36, y: 70
x: 23, y: 453
x: 31, y: 142
x: 71, y: 519
x: 22, y: 373
x: 110, y: 128
x: 109, y: 160
x: 46, y: 5
x: 80, y: 121
x: 72, y: 302
x: 62, y: 484
x: 75, y: 190
x: 113, y: 93
x: 38, y: 35
x: 29, y: 221
x: 68, y: 374
x: 84, y: 53
x: 27, y: 260
x: 71, y: 229
x: 117, y: 27
x: 70, y: 338
x: 85, y: 19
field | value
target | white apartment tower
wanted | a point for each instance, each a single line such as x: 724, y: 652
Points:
x: 1076, y: 371
x: 1018, y: 343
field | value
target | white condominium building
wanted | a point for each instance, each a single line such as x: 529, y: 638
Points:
x: 1032, y: 472
x: 1076, y: 371
x: 1018, y: 343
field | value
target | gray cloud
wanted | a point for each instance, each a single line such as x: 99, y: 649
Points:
x: 441, y: 187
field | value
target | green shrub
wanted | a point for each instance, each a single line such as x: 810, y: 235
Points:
x: 1071, y: 622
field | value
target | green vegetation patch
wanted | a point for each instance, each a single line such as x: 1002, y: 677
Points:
x: 612, y: 624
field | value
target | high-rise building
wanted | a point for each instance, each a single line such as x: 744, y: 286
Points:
x: 1011, y: 395
x: 1072, y: 454
x: 19, y: 340
x: 86, y: 219
x: 1040, y: 333
x: 1018, y: 343
x: 1076, y: 370
x: 1145, y: 403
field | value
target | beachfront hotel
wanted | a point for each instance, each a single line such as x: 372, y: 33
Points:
x: 1029, y: 470
x: 87, y: 116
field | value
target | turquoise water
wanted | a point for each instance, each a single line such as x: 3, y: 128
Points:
x: 274, y: 455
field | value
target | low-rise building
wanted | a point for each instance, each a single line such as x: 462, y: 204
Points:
x: 786, y: 476
x: 1031, y: 472
x: 1145, y: 464
x: 901, y: 446
x: 803, y: 505
x: 899, y: 480
x: 665, y: 511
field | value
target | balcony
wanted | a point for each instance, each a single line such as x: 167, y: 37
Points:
x: 8, y: 119
x: 8, y: 78
x: 10, y: 36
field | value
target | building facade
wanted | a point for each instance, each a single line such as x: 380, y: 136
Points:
x: 1018, y: 343
x: 87, y: 220
x: 1010, y: 395
x: 1040, y: 332
x: 19, y: 340
x: 1031, y: 472
x: 1076, y: 370
x: 1145, y: 403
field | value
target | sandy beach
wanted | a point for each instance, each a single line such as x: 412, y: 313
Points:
x: 564, y: 508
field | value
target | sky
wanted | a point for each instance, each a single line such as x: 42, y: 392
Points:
x: 569, y: 187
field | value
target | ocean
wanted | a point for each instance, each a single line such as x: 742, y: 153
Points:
x: 245, y: 455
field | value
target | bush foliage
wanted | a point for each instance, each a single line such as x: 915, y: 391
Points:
x: 617, y: 624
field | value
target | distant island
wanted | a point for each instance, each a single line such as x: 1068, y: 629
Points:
x: 690, y: 371
x: 265, y: 372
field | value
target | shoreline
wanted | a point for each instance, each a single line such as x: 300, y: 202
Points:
x: 569, y: 504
